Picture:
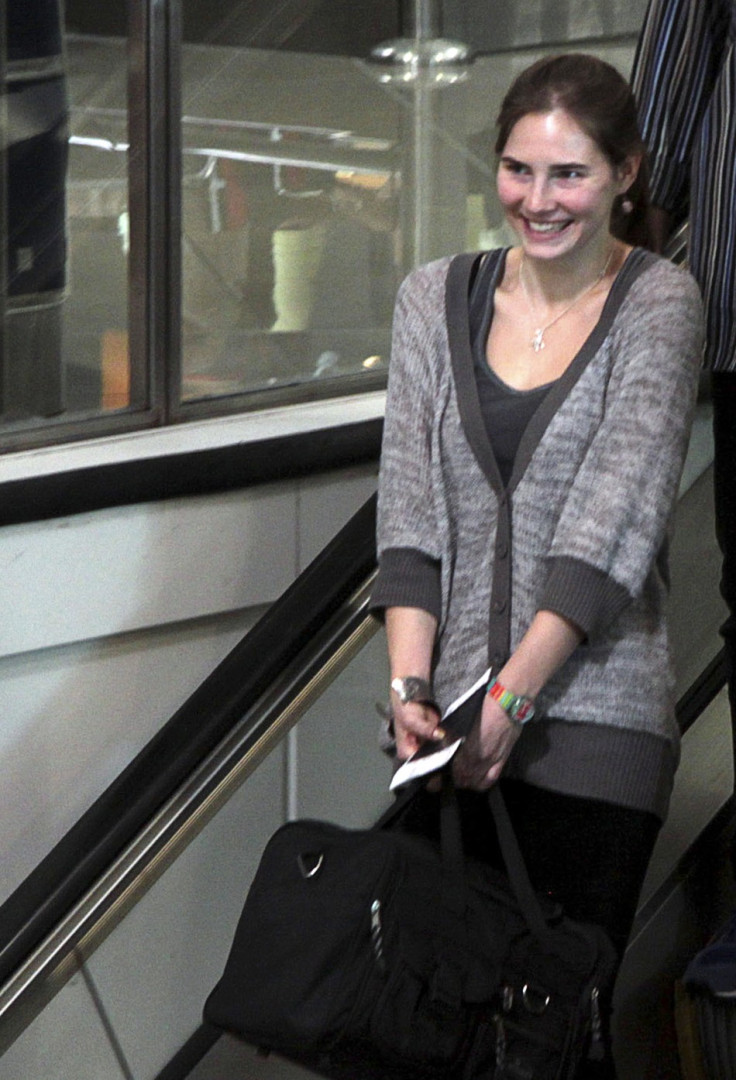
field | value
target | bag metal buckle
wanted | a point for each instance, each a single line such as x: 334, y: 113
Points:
x: 310, y: 863
x: 535, y: 1000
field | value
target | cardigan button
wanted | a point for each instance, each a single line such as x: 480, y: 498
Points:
x: 498, y: 605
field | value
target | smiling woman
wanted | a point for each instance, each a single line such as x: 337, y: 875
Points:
x: 539, y: 406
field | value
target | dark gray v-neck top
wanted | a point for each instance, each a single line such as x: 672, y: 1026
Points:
x: 506, y: 411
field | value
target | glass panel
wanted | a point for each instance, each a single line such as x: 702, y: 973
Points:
x: 34, y: 270
x: 291, y: 200
x: 515, y: 25
x: 65, y: 211
x: 97, y: 306
x: 317, y: 171
x: 324, y: 157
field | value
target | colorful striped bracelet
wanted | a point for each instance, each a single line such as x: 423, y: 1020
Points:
x: 518, y: 708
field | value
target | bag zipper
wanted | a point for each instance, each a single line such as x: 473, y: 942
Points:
x: 377, y: 936
x: 597, y: 1050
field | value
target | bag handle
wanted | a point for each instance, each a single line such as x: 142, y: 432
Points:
x: 453, y: 857
x: 454, y: 860
x: 448, y: 982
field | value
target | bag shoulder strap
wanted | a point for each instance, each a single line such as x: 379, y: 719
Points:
x: 516, y: 867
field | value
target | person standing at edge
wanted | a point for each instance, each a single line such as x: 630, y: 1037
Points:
x: 684, y: 78
x: 538, y: 415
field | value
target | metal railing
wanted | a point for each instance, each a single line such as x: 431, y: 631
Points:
x: 166, y: 796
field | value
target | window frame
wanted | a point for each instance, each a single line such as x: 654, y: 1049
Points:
x: 198, y: 458
x: 155, y: 165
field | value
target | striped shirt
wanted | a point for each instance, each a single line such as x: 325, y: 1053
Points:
x: 684, y: 77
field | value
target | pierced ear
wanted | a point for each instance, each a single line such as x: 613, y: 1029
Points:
x: 628, y: 172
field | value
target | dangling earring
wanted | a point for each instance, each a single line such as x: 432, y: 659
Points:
x: 626, y: 205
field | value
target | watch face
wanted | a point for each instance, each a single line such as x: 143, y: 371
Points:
x: 518, y: 708
x: 412, y: 688
x: 524, y: 711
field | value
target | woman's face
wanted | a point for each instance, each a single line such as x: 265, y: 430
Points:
x: 557, y: 187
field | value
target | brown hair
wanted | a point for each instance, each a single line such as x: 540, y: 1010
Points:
x: 600, y: 100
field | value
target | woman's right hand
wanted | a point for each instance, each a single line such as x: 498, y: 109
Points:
x: 414, y: 724
x: 411, y: 634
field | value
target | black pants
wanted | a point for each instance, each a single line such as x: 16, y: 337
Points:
x: 591, y: 856
x: 724, y: 485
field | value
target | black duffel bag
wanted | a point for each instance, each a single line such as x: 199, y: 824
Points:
x: 380, y: 955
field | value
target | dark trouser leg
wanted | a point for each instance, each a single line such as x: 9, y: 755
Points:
x: 724, y: 486
x: 592, y: 856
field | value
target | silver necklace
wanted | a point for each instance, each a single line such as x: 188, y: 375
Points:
x: 537, y: 341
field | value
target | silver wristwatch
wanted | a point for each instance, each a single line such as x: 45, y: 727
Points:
x: 413, y: 688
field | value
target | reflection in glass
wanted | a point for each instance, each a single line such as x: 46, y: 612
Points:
x: 96, y: 322
x: 64, y: 215
x: 290, y: 212
x: 312, y: 181
x: 322, y: 162
x: 33, y: 204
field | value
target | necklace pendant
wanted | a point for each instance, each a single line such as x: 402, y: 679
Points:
x: 538, y: 340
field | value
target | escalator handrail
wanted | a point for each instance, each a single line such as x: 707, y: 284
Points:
x: 701, y: 692
x: 198, y: 726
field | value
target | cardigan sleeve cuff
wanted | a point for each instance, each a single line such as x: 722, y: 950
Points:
x: 588, y: 597
x: 407, y: 578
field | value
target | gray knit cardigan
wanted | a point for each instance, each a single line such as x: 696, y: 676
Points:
x: 581, y: 528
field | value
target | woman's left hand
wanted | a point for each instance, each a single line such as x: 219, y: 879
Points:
x: 481, y: 759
